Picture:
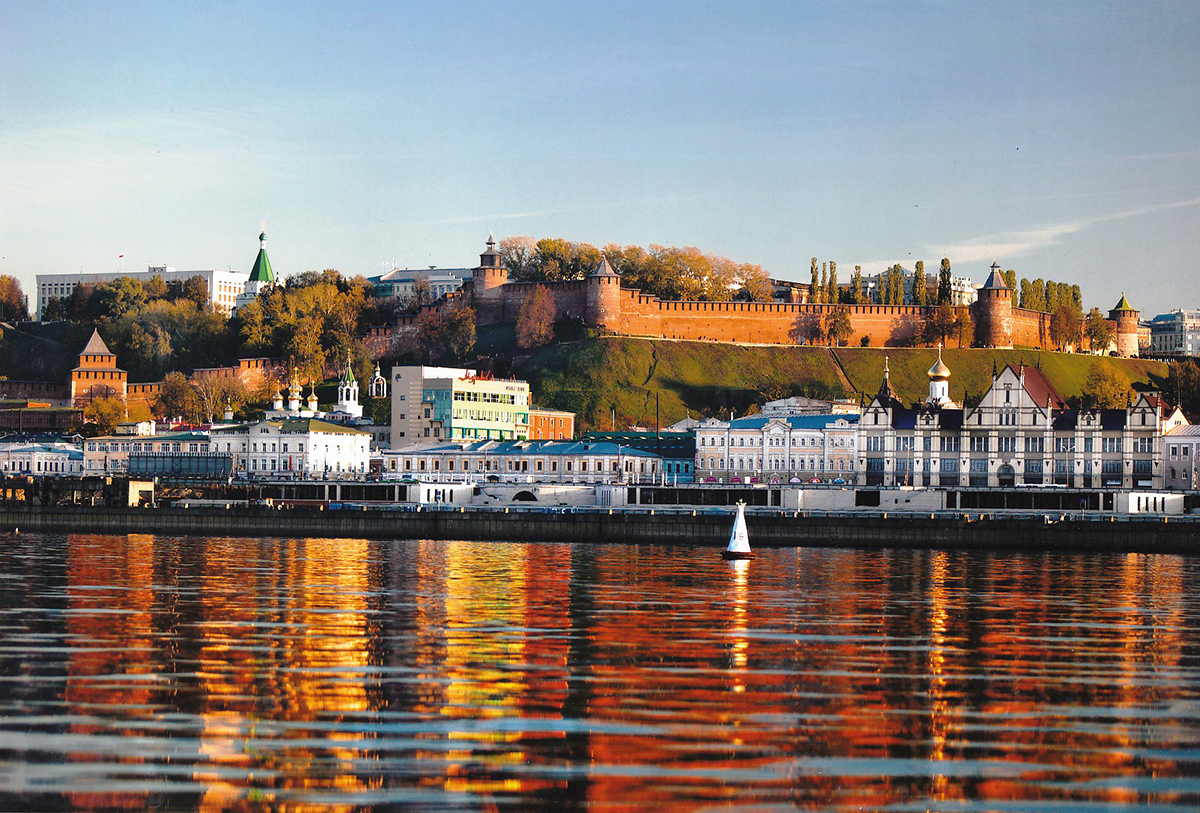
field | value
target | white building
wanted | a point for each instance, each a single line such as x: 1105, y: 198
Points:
x: 760, y: 448
x: 403, y: 283
x: 523, y: 461
x: 1181, y: 458
x: 41, y: 459
x: 294, y: 447
x: 223, y: 286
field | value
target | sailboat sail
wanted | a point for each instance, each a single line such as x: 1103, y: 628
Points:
x: 739, y: 540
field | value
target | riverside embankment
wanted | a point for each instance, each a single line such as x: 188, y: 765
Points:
x: 768, y: 528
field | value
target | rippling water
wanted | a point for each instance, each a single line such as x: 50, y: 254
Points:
x: 348, y: 674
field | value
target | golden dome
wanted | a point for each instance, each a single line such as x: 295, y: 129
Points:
x: 939, y: 371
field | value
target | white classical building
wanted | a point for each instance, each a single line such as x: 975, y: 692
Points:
x: 761, y: 448
x: 294, y: 447
x: 41, y: 459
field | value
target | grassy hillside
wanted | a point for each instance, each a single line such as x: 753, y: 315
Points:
x: 594, y: 377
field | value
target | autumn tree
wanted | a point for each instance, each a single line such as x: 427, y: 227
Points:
x: 814, y: 285
x: 1104, y: 388
x: 535, y: 321
x: 517, y: 255
x: 1010, y: 278
x: 1183, y: 385
x: 945, y: 291
x: 942, y: 322
x: 175, y: 398
x: 1064, y: 327
x: 104, y: 414
x: 919, y: 290
x: 214, y: 392
x: 14, y: 305
x: 1098, y: 330
x: 837, y: 326
x: 832, y: 292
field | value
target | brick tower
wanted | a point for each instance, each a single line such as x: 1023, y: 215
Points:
x: 488, y: 281
x: 1127, y: 327
x: 603, y: 297
x: 995, y: 312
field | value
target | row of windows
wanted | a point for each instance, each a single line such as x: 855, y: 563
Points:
x: 811, y: 464
x: 801, y: 441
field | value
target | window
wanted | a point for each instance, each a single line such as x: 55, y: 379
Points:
x: 979, y: 443
x: 1007, y: 444
x: 1035, y: 445
x: 1064, y: 445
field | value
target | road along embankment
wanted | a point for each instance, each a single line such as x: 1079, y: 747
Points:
x: 860, y: 529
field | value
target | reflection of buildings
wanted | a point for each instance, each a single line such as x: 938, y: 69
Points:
x: 309, y: 673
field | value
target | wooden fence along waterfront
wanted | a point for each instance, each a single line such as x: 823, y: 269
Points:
x: 685, y: 527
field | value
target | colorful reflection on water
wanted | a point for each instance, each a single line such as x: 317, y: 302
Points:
x: 346, y: 674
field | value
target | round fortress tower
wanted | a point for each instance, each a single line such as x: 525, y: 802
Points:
x: 1126, y: 318
x: 995, y: 311
x: 488, y: 281
x: 603, y: 297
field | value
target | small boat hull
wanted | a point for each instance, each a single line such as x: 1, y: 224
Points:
x: 736, y: 554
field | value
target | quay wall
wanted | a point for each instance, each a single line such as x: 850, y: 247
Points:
x: 860, y: 529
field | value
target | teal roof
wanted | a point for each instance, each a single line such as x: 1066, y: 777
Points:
x: 261, y: 272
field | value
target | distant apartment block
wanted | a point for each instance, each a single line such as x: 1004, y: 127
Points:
x: 1176, y: 333
x: 223, y: 286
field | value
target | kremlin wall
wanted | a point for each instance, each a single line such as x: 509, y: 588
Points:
x: 600, y: 302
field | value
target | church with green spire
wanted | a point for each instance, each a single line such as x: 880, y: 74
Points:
x: 262, y: 277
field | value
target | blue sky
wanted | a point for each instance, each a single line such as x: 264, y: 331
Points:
x: 1059, y: 139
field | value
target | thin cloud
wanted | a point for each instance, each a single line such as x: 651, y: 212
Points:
x: 1016, y: 243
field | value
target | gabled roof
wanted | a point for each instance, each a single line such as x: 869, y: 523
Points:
x: 96, y: 346
x: 1038, y: 387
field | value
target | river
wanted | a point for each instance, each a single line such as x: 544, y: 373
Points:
x: 187, y: 673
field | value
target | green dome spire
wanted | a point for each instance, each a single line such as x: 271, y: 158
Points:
x: 262, y: 266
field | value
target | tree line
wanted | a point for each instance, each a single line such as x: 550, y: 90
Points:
x: 668, y: 272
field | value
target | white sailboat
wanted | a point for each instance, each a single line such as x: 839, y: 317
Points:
x: 739, y: 540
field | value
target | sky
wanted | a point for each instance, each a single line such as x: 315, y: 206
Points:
x: 1060, y: 140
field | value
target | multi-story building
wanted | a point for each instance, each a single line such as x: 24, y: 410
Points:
x: 456, y: 404
x: 1022, y: 432
x: 109, y: 454
x: 223, y: 286
x: 796, y: 448
x: 1175, y: 334
x: 294, y: 447
x: 1181, y: 458
x: 550, y: 424
x: 534, y: 460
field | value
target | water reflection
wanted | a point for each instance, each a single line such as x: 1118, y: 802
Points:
x: 341, y: 674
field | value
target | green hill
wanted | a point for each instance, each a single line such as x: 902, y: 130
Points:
x: 595, y: 377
